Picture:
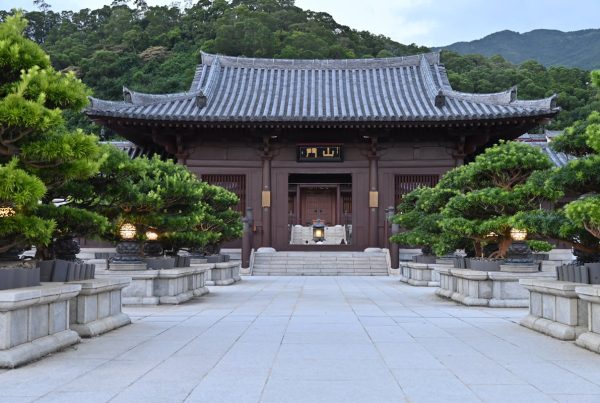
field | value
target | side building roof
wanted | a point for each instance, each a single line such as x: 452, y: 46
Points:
x: 399, y: 89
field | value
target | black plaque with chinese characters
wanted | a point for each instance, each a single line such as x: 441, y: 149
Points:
x: 320, y: 153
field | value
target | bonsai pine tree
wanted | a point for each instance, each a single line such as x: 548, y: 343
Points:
x: 161, y: 195
x: 34, y: 142
x: 506, y: 179
x: 578, y: 222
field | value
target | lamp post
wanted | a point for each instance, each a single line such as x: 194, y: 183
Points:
x: 318, y: 231
x: 129, y: 250
x: 518, y: 251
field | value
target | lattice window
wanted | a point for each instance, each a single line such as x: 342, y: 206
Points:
x: 233, y: 183
x: 404, y: 184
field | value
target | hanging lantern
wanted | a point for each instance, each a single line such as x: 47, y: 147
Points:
x: 151, y: 235
x: 518, y: 234
x: 127, y: 231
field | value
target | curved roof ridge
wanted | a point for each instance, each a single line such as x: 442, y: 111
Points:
x: 101, y: 104
x: 432, y: 89
x: 544, y: 103
x: 213, y: 77
x: 142, y: 98
x: 506, y: 97
x: 399, y: 61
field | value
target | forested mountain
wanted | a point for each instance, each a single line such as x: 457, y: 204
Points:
x: 549, y: 47
x: 155, y: 49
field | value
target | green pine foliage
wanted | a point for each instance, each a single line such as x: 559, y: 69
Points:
x: 478, y: 204
x: 38, y: 154
x: 160, y: 195
x: 578, y: 222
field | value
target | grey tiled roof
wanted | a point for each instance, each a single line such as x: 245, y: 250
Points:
x: 399, y: 89
x: 543, y: 141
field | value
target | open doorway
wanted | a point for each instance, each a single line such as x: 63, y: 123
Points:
x: 320, y: 200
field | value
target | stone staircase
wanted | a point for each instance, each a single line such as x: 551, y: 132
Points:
x: 320, y: 264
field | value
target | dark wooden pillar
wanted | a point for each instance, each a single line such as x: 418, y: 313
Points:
x: 248, y: 221
x: 373, y: 195
x: 266, y: 192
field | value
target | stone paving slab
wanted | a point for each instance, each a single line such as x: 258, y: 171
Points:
x: 314, y: 339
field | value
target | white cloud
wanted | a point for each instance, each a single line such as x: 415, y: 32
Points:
x: 378, y: 16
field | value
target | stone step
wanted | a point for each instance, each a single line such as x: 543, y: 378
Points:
x: 320, y: 264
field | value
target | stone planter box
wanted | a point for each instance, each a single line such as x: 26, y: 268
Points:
x: 225, y: 273
x: 424, y: 259
x: 154, y: 287
x: 555, y: 309
x: 420, y: 274
x: 34, y: 322
x: 590, y: 339
x: 19, y: 277
x: 97, y: 308
x: 486, y: 288
x: 61, y: 271
x: 157, y: 263
x: 483, y: 264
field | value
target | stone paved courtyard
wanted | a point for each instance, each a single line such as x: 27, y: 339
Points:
x: 314, y: 339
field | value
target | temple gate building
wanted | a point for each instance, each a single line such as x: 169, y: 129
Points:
x: 305, y: 142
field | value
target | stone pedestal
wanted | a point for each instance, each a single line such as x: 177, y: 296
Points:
x: 420, y: 274
x: 482, y: 288
x: 153, y: 287
x: 225, y: 273
x: 97, y: 308
x: 590, y: 339
x: 34, y: 322
x: 555, y: 309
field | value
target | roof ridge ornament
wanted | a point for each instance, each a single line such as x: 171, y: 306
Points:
x: 440, y: 99
x: 200, y: 100
x: 127, y: 95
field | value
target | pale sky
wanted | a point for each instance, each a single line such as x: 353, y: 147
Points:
x: 424, y: 22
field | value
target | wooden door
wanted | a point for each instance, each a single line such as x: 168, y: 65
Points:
x: 318, y: 203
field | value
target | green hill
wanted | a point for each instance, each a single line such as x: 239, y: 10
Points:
x: 549, y: 47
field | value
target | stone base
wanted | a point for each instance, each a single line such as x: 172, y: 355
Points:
x: 34, y: 322
x: 420, y: 274
x: 555, y: 309
x: 480, y: 288
x: 590, y: 295
x: 102, y: 326
x: 168, y: 286
x: 589, y: 341
x: 36, y: 349
x: 551, y: 328
x: 225, y: 273
x: 97, y: 308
